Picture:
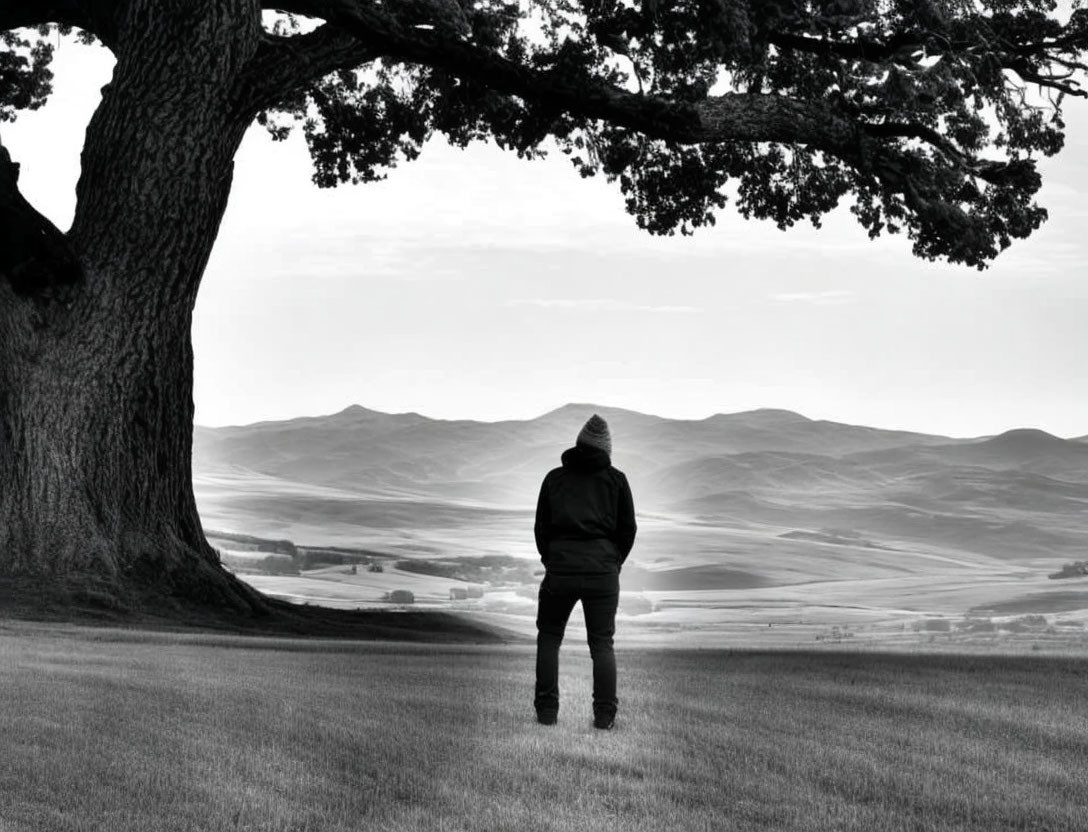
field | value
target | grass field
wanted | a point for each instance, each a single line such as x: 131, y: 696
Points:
x: 114, y: 730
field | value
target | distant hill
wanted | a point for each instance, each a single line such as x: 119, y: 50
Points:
x: 360, y: 473
x: 502, y: 462
x: 1027, y: 449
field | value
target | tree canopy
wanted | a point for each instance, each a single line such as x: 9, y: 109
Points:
x: 927, y: 117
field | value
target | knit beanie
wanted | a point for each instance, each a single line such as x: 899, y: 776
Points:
x: 595, y: 434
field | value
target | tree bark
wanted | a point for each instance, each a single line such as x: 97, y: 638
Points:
x: 96, y: 408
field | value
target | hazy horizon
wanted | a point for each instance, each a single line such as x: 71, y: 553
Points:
x: 608, y: 406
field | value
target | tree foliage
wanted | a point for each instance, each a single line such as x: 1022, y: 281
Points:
x: 25, y: 79
x: 927, y: 116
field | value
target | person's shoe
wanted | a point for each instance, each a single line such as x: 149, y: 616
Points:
x: 545, y: 718
x: 604, y: 722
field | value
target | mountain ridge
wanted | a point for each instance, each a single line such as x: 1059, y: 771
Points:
x: 578, y: 407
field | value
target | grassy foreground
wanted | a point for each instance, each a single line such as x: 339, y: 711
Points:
x: 106, y: 730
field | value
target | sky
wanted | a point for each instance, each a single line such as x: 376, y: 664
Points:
x: 473, y: 285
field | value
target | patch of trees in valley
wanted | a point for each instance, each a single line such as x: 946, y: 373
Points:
x: 490, y: 569
x: 1077, y: 569
x: 284, y: 557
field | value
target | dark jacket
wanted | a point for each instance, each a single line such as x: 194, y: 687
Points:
x: 585, y: 516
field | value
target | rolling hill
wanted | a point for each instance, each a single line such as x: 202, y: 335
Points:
x: 744, y: 502
x: 501, y: 463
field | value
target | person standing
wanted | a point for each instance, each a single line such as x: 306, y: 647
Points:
x: 585, y: 528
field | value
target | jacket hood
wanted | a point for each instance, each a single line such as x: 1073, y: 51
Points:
x: 585, y: 459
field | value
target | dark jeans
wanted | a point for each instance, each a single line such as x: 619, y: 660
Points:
x: 600, y: 595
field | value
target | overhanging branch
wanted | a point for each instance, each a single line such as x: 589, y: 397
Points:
x: 872, y: 149
x: 94, y: 16
x: 283, y: 65
x: 17, y: 14
x: 740, y: 117
x: 908, y: 47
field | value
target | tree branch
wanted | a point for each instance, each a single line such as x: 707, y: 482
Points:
x: 730, y: 117
x: 903, y: 46
x: 1061, y: 83
x: 740, y: 117
x: 306, y: 8
x: 284, y: 65
x: 17, y: 14
x: 94, y: 16
x: 900, y: 46
x: 35, y: 256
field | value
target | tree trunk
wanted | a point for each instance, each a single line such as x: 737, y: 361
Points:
x: 96, y: 410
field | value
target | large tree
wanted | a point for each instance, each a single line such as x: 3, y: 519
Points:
x: 925, y: 117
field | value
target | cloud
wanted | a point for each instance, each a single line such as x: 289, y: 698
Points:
x: 599, y: 305
x: 828, y: 298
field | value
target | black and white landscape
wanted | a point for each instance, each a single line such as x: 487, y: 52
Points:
x: 763, y: 524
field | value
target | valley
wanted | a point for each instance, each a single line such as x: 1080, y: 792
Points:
x: 758, y: 527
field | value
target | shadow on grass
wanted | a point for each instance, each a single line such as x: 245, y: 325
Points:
x: 88, y: 603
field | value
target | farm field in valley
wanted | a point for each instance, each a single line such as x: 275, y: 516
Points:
x: 115, y: 730
x: 728, y: 587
